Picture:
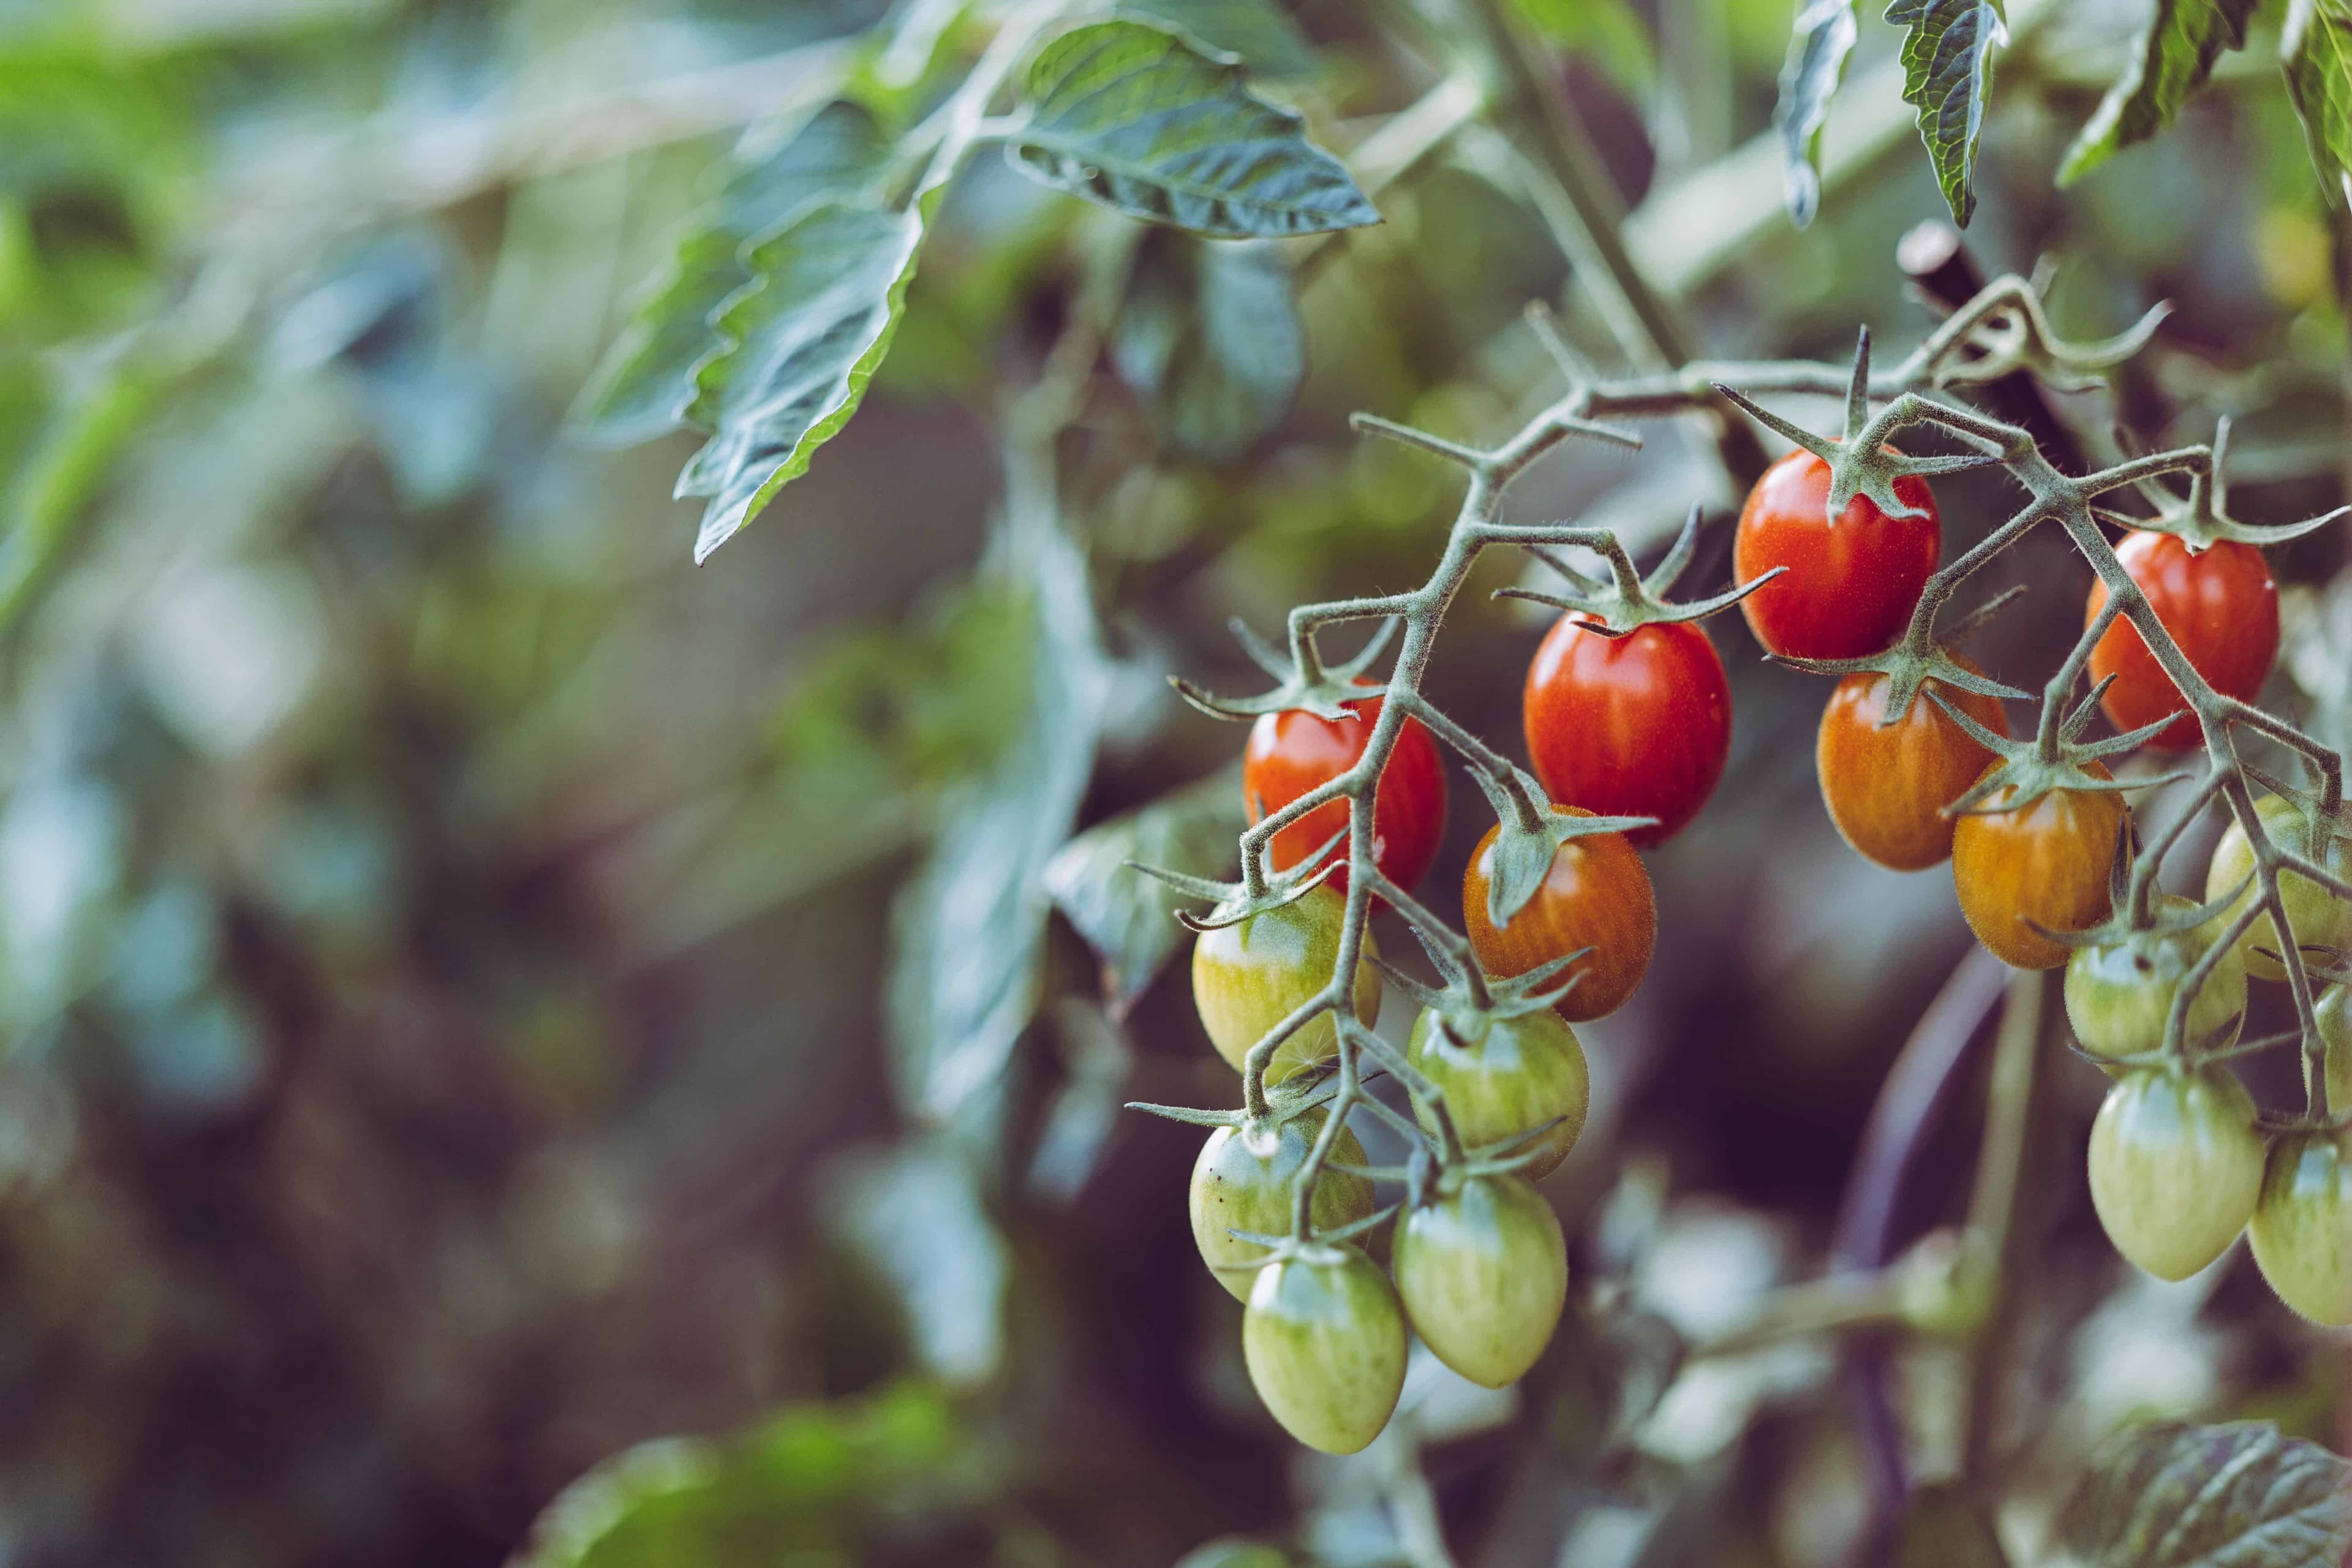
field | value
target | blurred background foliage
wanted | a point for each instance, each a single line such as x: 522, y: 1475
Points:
x: 492, y: 1010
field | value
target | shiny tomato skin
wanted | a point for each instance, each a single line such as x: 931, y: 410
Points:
x: 2316, y: 916
x: 1242, y: 1181
x: 2220, y: 605
x: 2120, y: 993
x: 1292, y: 752
x: 1504, y: 1076
x: 2301, y: 1229
x: 2334, y: 1008
x: 1851, y: 586
x: 1597, y: 895
x: 1483, y: 1274
x: 2176, y: 1167
x: 1324, y: 1338
x: 1886, y: 788
x: 1251, y: 975
x: 1633, y: 726
x: 2047, y: 862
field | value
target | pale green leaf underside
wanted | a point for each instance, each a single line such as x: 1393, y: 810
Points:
x: 644, y: 385
x: 1947, y: 49
x: 2172, y: 61
x: 1817, y: 46
x: 801, y: 342
x: 2318, y: 50
x: 2240, y: 1496
x: 1134, y: 117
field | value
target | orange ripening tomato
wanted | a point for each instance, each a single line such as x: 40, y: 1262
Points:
x: 1631, y: 726
x: 1887, y: 787
x: 2046, y: 862
x: 1597, y: 895
x: 2220, y: 604
x: 1850, y: 585
x: 1293, y: 752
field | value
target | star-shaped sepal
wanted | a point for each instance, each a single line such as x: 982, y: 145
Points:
x: 1909, y: 669
x: 2201, y: 519
x: 1305, y: 682
x: 1630, y: 600
x: 2026, y: 773
x: 1230, y: 903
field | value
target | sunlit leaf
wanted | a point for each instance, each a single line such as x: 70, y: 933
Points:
x: 2318, y: 50
x: 1211, y: 339
x: 1817, y: 46
x: 2172, y: 61
x: 1136, y: 118
x: 1128, y: 918
x: 646, y: 381
x: 1947, y: 49
x: 2170, y: 1495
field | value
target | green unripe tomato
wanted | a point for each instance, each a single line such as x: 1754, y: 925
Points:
x: 1502, y: 1076
x: 2301, y: 1229
x: 2316, y: 916
x: 1325, y: 1340
x: 2119, y: 994
x: 2176, y: 1166
x: 1484, y: 1273
x: 1251, y: 975
x: 1243, y: 1181
x: 2334, y: 1010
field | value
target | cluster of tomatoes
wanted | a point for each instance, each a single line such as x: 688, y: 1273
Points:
x: 1628, y: 713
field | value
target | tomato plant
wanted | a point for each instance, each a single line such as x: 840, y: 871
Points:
x: 1324, y: 1338
x: 1502, y: 1076
x: 2176, y: 1166
x: 1243, y: 1179
x: 1250, y: 975
x: 1293, y: 752
x: 1597, y: 895
x: 2221, y: 608
x: 2316, y: 916
x: 1483, y: 1274
x: 1887, y: 785
x: 2044, y: 863
x: 2119, y: 993
x: 1631, y: 725
x: 2302, y: 1227
x: 1852, y: 580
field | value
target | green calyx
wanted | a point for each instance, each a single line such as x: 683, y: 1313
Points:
x: 2201, y: 519
x: 1910, y: 666
x: 1304, y: 681
x: 1233, y: 902
x: 1630, y: 601
x: 2054, y: 759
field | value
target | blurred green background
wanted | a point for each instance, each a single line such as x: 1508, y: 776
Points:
x: 485, y: 1000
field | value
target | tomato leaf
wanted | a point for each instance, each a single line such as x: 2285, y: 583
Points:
x: 1209, y: 338
x: 1257, y: 30
x: 1946, y: 75
x: 1129, y: 919
x: 646, y: 381
x: 2171, y: 1495
x: 1135, y: 116
x: 2317, y: 49
x: 1817, y: 46
x: 2174, y: 57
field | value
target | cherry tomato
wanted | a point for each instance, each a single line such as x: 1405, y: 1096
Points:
x: 1631, y: 726
x: 1502, y: 1076
x: 1886, y: 788
x: 1482, y: 1273
x: 1251, y: 975
x: 2221, y: 606
x: 1325, y: 1340
x: 1852, y: 585
x: 2119, y: 994
x: 1243, y: 1181
x: 1596, y: 895
x: 2176, y: 1166
x: 2046, y: 861
x: 2317, y: 917
x: 1293, y: 752
x: 2301, y: 1229
x: 2334, y: 1010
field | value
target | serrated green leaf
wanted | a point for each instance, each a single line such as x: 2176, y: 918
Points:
x: 1948, y: 50
x: 2174, y: 57
x: 1267, y: 41
x: 1128, y: 918
x: 1817, y: 46
x: 1136, y: 118
x: 1209, y: 338
x: 800, y: 343
x: 2171, y: 1495
x: 2317, y: 49
x: 646, y: 381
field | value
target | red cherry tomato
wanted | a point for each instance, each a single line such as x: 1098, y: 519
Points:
x: 1631, y: 726
x: 1851, y: 586
x: 1292, y: 752
x: 2220, y: 605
